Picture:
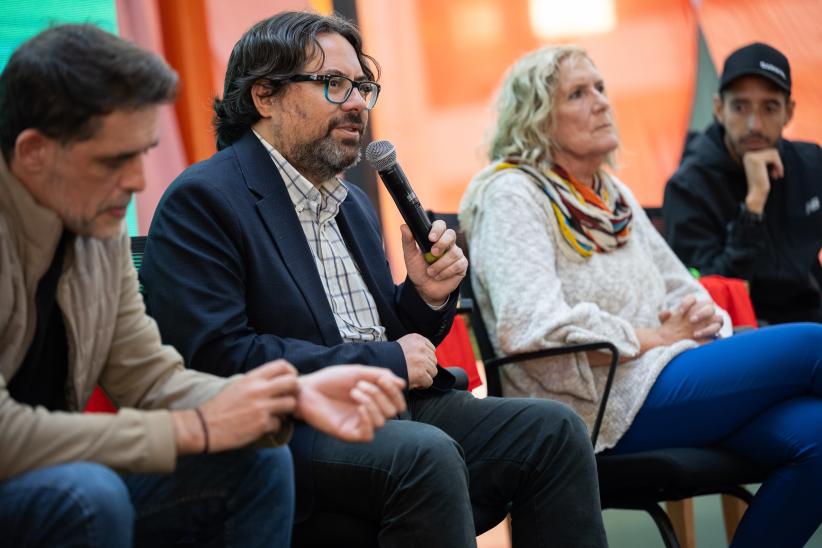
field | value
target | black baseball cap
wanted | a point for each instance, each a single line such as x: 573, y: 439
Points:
x: 757, y: 59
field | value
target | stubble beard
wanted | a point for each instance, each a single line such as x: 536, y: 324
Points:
x: 323, y: 158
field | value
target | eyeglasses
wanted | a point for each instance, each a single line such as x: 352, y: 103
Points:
x: 338, y: 88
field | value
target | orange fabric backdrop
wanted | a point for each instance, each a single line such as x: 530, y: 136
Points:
x: 195, y: 37
x: 186, y: 42
x: 442, y: 62
x: 227, y: 21
x: 793, y: 27
x: 140, y: 23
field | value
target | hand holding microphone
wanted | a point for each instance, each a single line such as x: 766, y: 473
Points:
x: 383, y: 157
x: 443, y: 272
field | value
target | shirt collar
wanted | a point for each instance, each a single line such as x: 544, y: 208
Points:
x: 302, y: 192
x: 40, y: 227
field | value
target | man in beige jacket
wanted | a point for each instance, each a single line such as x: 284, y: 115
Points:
x: 78, y: 109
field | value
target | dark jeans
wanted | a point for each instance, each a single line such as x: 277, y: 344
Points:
x: 240, y: 498
x: 456, y: 469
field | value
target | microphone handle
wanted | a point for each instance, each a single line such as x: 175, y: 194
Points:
x: 410, y: 208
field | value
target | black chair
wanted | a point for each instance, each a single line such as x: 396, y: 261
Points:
x: 636, y: 481
x: 655, y: 216
x: 138, y: 246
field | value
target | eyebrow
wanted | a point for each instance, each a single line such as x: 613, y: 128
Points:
x: 573, y: 86
x: 335, y: 72
x: 127, y: 154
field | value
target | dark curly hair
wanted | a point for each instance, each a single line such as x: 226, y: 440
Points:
x: 273, y: 49
x: 64, y: 79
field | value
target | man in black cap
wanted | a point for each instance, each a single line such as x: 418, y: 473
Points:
x: 745, y: 202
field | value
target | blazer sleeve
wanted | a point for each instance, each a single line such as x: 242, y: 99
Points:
x: 417, y: 317
x: 195, y: 279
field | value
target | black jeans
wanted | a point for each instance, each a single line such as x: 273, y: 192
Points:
x: 458, y: 467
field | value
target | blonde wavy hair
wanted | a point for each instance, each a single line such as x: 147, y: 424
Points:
x: 525, y: 106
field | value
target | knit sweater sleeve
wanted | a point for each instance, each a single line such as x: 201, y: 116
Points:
x: 514, y: 262
x: 679, y: 283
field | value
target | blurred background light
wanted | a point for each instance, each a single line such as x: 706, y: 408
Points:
x: 555, y: 19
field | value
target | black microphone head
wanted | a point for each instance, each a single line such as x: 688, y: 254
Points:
x: 381, y: 155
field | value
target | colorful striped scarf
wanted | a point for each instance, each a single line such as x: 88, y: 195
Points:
x: 590, y: 220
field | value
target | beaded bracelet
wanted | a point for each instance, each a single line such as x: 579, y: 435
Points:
x: 205, y: 428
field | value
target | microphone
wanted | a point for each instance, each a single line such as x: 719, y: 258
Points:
x: 383, y: 157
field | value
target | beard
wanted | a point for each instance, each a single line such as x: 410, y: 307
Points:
x: 325, y: 157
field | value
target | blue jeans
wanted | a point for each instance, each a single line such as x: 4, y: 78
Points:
x: 758, y: 394
x: 239, y: 498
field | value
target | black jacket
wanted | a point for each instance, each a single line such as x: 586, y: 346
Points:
x: 708, y: 228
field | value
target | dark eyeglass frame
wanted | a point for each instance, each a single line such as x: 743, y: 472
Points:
x: 327, y: 78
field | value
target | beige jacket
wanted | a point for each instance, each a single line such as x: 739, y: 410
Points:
x: 111, y: 341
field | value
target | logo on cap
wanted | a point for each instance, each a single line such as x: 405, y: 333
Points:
x: 760, y: 60
x: 773, y: 68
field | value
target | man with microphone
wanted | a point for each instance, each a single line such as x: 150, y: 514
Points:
x: 263, y: 252
x: 189, y: 457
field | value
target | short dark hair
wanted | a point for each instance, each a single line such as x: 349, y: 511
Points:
x: 271, y: 50
x: 63, y: 79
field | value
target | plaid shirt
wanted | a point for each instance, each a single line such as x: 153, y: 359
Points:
x: 352, y: 304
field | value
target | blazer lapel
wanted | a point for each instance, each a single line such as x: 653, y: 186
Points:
x: 277, y: 214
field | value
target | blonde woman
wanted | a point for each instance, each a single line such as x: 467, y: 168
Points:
x: 563, y: 253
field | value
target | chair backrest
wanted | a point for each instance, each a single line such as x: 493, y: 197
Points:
x: 655, y: 215
x: 138, y: 246
x: 492, y: 378
x: 468, y: 305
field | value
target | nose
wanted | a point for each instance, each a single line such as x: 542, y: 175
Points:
x: 133, y: 179
x: 602, y: 101
x: 355, y: 101
x: 754, y: 122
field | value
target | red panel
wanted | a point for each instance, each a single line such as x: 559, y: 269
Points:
x: 99, y: 403
x: 456, y: 350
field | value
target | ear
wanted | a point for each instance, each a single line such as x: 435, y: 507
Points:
x: 789, y: 108
x: 33, y: 152
x: 263, y: 100
x: 718, y: 109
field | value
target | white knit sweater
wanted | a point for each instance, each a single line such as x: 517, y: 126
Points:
x: 533, y: 296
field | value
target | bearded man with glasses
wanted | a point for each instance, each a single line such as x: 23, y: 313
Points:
x: 263, y: 252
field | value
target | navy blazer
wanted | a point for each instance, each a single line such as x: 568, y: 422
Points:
x: 230, y: 278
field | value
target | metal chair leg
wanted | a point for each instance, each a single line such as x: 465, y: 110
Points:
x: 681, y: 514
x: 735, y: 501
x: 739, y: 492
x: 663, y: 523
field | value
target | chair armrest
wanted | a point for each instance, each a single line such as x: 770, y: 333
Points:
x: 460, y: 377
x: 465, y: 305
x: 496, y: 363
